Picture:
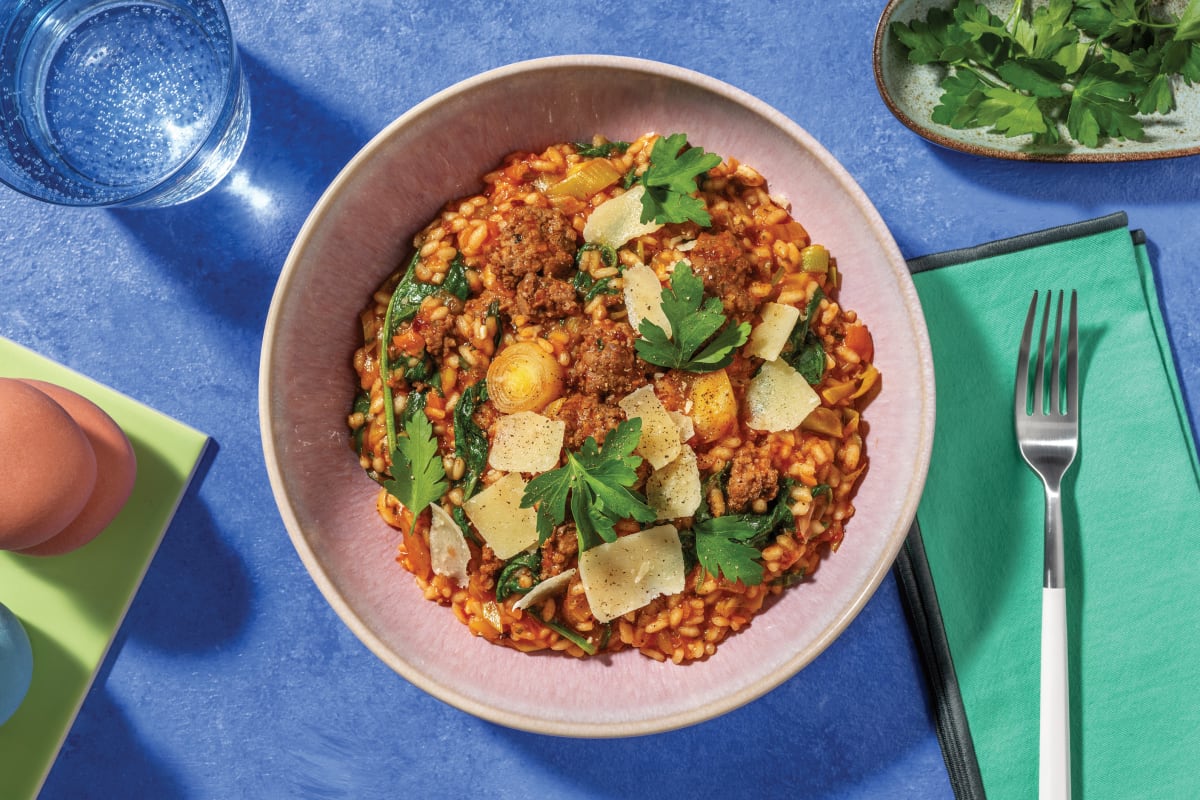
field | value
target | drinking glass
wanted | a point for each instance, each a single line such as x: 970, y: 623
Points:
x: 137, y: 103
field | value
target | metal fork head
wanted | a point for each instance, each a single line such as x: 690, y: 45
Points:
x: 1047, y: 417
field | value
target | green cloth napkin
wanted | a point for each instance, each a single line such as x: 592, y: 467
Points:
x: 972, y: 569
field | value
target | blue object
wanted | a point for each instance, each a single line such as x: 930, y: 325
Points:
x: 16, y: 663
x: 119, y: 103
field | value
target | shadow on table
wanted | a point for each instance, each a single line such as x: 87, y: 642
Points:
x: 123, y: 766
x: 226, y: 248
x: 209, y: 604
x: 809, y: 737
x: 204, y: 578
x: 1093, y: 188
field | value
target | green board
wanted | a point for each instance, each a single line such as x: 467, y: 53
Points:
x: 72, y: 605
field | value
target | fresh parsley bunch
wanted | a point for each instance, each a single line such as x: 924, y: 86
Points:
x: 1094, y: 66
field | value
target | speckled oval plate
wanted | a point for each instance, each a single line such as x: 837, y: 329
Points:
x: 912, y: 91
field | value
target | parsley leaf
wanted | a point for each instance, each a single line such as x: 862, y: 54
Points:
x: 730, y: 545
x: 722, y: 550
x: 691, y: 344
x: 1101, y: 106
x: 670, y: 180
x: 418, y: 478
x: 596, y: 480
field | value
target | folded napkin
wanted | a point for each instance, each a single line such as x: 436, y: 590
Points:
x: 971, y: 569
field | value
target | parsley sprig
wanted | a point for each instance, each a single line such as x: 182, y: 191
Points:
x: 597, y: 481
x: 691, y: 344
x: 418, y: 477
x: 670, y: 181
x: 731, y: 545
x: 1094, y: 66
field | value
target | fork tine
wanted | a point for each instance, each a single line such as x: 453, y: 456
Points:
x: 1055, y: 359
x: 1021, y: 391
x: 1072, y: 362
x: 1039, y: 379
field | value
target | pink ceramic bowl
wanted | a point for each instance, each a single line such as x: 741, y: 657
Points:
x: 362, y: 229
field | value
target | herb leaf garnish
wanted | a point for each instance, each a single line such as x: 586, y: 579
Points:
x: 418, y: 477
x: 597, y: 482
x: 722, y: 550
x: 691, y: 344
x: 730, y: 545
x: 1094, y: 66
x: 670, y: 181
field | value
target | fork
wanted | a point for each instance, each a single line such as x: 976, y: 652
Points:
x: 1048, y: 435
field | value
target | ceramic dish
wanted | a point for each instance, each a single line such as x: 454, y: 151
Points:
x: 911, y: 91
x: 362, y: 228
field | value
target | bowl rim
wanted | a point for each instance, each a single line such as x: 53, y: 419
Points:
x: 854, y: 603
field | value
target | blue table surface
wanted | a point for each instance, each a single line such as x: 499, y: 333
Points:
x: 231, y: 676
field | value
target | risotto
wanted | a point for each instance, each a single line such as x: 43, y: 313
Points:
x: 612, y: 401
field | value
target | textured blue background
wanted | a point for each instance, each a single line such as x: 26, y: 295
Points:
x: 231, y: 676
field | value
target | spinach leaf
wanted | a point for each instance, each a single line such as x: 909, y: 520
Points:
x: 459, y: 516
x: 602, y: 150
x: 362, y: 405
x: 456, y: 279
x: 574, y: 637
x: 420, y: 369
x: 406, y: 299
x: 470, y: 442
x: 803, y: 349
x: 508, y: 581
x: 585, y: 285
x: 493, y: 311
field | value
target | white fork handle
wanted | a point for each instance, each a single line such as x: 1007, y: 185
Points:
x: 1054, y: 768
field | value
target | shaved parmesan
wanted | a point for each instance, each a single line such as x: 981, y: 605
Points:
x: 527, y: 442
x: 674, y: 490
x: 687, y: 428
x: 497, y: 514
x: 448, y: 551
x: 622, y: 576
x: 546, y: 588
x: 643, y: 297
x: 619, y: 219
x: 660, y: 436
x: 779, y: 398
x: 770, y: 335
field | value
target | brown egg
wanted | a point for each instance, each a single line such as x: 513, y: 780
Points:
x: 116, y: 470
x: 48, y: 466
